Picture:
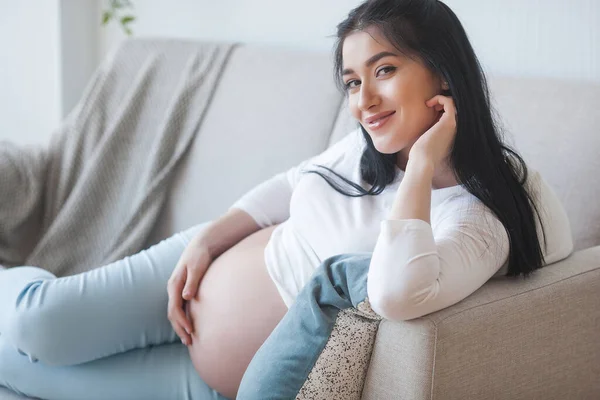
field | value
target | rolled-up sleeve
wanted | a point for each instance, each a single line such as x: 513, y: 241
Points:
x: 414, y: 272
x: 416, y: 269
x: 269, y: 202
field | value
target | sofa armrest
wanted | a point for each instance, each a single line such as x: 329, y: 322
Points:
x: 511, y: 339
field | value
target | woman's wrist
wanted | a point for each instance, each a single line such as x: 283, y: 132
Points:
x: 202, y: 242
x: 413, y: 199
x: 421, y: 166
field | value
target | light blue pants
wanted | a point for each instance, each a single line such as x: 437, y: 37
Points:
x: 102, y: 334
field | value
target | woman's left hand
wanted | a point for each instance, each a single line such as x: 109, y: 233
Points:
x: 434, y: 145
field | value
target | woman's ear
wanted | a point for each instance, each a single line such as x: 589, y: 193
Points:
x: 446, y: 89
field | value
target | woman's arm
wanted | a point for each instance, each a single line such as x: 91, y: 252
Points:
x: 266, y: 204
x: 225, y: 232
x: 405, y: 274
x: 413, y: 199
x: 414, y: 272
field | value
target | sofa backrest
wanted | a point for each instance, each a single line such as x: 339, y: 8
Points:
x: 272, y: 108
x: 275, y: 107
x: 556, y: 127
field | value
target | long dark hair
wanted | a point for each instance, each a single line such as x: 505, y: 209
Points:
x: 483, y: 164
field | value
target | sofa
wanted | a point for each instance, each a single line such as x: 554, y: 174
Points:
x: 535, y: 338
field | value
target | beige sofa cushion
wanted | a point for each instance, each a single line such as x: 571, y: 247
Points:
x: 272, y: 109
x: 552, y: 124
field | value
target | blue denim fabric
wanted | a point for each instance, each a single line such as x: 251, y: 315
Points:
x: 99, y: 335
x: 282, y: 364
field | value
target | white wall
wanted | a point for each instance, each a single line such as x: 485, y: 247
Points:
x: 79, y: 45
x: 553, y: 38
x: 29, y: 70
x: 304, y: 24
x: 50, y: 50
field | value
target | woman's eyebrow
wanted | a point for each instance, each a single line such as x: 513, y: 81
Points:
x: 371, y: 61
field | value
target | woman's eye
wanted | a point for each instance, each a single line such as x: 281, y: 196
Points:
x: 389, y: 69
x: 349, y: 84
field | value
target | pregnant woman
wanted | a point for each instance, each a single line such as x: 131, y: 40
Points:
x: 425, y: 186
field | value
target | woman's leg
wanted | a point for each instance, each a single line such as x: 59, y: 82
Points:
x: 80, y: 318
x: 68, y: 322
x: 290, y: 357
x: 154, y: 373
x: 76, y: 319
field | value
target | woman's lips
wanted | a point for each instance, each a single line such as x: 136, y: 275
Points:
x: 378, y: 123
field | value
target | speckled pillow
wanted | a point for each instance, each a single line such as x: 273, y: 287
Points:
x: 340, y: 370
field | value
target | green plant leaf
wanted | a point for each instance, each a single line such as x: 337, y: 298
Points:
x: 106, y: 17
x: 127, y: 19
x: 128, y: 31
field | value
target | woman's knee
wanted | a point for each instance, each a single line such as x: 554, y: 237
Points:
x: 340, y: 279
x: 29, y: 326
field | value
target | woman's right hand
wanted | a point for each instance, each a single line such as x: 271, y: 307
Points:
x: 183, y: 286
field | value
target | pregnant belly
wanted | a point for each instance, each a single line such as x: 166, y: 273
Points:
x: 236, y: 309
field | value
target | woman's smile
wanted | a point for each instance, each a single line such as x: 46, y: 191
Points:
x: 377, y: 123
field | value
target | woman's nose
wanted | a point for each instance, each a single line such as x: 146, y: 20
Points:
x: 367, y: 98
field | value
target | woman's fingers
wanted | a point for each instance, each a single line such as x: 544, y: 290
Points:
x: 176, y: 313
x: 445, y: 103
x: 183, y: 335
x: 198, y: 263
x: 192, y: 282
x: 433, y: 100
x: 183, y: 285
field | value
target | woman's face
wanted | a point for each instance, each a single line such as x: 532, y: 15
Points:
x: 381, y: 81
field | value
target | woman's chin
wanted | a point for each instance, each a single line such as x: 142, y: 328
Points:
x: 384, y: 146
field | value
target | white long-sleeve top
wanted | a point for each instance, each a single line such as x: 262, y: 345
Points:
x: 416, y: 267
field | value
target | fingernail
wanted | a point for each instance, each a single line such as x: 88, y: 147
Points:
x: 184, y: 341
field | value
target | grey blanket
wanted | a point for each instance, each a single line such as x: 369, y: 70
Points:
x: 93, y: 195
